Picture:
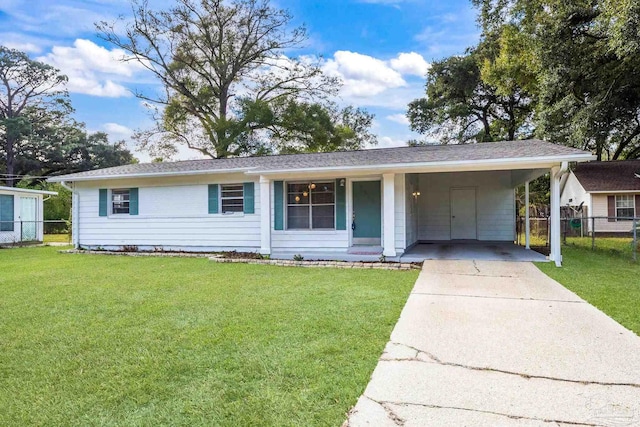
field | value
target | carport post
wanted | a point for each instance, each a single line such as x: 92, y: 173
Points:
x: 265, y: 215
x: 555, y: 237
x: 527, y: 227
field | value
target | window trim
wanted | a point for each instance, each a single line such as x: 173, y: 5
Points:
x: 633, y: 206
x: 222, y: 198
x: 111, y: 201
x: 310, y: 205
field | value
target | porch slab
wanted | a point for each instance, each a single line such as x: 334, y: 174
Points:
x: 471, y: 250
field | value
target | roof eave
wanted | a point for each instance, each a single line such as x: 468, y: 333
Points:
x: 441, y: 166
x: 27, y: 190
x: 70, y: 178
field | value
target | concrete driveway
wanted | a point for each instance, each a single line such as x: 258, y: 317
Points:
x: 490, y: 343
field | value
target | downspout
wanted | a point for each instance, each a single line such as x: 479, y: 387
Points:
x: 75, y: 217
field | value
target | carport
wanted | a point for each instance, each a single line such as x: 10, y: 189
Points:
x: 471, y: 214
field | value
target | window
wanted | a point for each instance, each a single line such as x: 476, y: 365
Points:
x: 120, y: 201
x: 232, y: 196
x: 625, y: 207
x: 311, y: 205
x: 6, y: 212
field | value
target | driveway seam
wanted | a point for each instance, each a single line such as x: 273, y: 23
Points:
x: 493, y: 297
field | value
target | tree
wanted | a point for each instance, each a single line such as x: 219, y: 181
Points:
x: 25, y: 85
x: 467, y: 100
x: 587, y: 60
x: 228, y: 88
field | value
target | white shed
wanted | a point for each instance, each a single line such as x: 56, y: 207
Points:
x: 21, y: 215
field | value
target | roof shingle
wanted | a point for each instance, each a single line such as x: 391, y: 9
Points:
x: 359, y: 158
x: 612, y: 176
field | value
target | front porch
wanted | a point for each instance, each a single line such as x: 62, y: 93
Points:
x: 442, y: 250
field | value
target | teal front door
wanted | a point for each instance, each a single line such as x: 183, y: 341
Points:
x: 367, y: 216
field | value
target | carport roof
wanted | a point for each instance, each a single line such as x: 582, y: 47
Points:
x: 524, y: 150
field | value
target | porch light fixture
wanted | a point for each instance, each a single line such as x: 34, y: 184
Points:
x: 416, y: 194
x: 342, y: 182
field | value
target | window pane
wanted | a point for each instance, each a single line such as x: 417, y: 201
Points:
x: 323, y: 194
x: 624, y: 213
x: 323, y: 217
x: 232, y: 205
x: 298, y: 194
x: 120, y: 201
x: 625, y: 201
x: 297, y: 217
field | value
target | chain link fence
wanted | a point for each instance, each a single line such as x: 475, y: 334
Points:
x: 18, y: 233
x: 617, y: 235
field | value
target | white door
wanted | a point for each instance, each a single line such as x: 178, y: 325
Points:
x: 28, y: 219
x: 463, y: 213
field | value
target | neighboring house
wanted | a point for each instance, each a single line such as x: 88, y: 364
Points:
x: 607, y: 189
x: 380, y: 201
x: 21, y: 215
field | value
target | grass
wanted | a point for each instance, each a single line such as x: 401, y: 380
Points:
x: 57, y: 238
x: 603, y: 278
x: 612, y: 245
x: 110, y: 341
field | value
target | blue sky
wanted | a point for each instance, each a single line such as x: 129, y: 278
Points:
x: 379, y: 48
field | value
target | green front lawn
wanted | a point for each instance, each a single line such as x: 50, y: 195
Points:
x: 606, y: 279
x: 107, y: 340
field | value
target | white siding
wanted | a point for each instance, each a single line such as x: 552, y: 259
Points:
x: 400, y: 211
x: 601, y: 208
x: 495, y: 204
x: 573, y: 193
x: 173, y: 214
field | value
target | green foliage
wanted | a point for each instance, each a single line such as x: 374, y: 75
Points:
x: 187, y: 342
x: 584, y: 58
x: 476, y: 97
x: 606, y: 280
x: 39, y: 138
x: 229, y: 88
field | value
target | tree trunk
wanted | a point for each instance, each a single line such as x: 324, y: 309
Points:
x: 11, y: 161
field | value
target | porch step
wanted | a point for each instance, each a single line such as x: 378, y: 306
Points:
x: 365, y: 250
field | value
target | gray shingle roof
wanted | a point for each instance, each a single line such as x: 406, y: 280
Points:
x: 609, y: 176
x: 346, y: 159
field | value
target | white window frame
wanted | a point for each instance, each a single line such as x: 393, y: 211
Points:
x: 311, y: 205
x: 113, y: 202
x: 633, y: 206
x: 223, y: 198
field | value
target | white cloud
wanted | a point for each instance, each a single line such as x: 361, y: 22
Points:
x: 362, y: 75
x: 398, y: 118
x: 387, y: 141
x: 117, y: 131
x: 410, y: 63
x: 94, y: 70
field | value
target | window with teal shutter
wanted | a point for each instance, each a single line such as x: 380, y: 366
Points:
x: 103, y: 206
x: 213, y: 198
x: 341, y: 204
x: 6, y: 212
x: 133, y: 201
x: 278, y: 205
x: 249, y: 198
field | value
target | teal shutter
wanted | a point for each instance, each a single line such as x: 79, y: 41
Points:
x: 278, y: 205
x: 102, y: 206
x: 249, y: 198
x: 341, y: 204
x: 133, y: 201
x: 6, y: 212
x: 213, y: 198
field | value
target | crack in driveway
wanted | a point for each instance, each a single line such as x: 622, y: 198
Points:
x: 435, y: 359
x: 385, y: 405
